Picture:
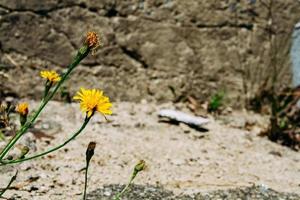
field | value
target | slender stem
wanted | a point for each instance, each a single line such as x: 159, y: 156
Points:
x: 123, y: 191
x: 48, y: 85
x: 85, y: 179
x: 50, y: 150
x: 117, y: 197
x: 9, y: 184
x: 82, y: 53
x: 88, y: 156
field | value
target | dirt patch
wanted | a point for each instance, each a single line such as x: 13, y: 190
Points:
x: 179, y: 158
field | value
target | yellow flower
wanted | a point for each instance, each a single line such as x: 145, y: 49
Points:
x: 92, y: 40
x: 51, y: 76
x: 22, y: 108
x: 93, y: 100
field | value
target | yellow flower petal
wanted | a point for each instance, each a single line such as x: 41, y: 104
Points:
x: 22, y: 108
x: 93, y: 100
x: 51, y: 76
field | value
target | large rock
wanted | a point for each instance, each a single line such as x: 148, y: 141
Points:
x: 140, y: 192
x: 157, y: 50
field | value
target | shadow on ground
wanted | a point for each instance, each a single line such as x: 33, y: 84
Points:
x: 141, y: 192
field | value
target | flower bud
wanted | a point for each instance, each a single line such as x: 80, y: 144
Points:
x: 90, y: 151
x: 140, y: 166
x: 24, y: 152
x: 23, y: 110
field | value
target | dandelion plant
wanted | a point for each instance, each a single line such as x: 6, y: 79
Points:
x: 91, y: 101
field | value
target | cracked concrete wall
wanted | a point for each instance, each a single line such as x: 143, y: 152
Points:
x: 161, y: 50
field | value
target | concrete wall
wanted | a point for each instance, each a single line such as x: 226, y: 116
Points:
x: 160, y: 50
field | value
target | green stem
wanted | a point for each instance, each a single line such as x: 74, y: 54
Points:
x: 117, y: 197
x: 50, y: 150
x: 85, y: 180
x: 48, y: 85
x: 82, y: 53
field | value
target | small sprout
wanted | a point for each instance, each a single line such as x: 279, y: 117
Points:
x: 93, y: 100
x: 140, y: 166
x: 23, y: 110
x: 216, y: 102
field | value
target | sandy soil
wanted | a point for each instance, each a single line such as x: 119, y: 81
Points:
x: 179, y: 158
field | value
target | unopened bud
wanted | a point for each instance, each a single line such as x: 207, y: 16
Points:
x: 140, y: 166
x: 90, y: 151
x: 24, y: 152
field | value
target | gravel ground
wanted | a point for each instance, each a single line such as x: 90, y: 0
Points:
x: 180, y: 159
x: 140, y: 192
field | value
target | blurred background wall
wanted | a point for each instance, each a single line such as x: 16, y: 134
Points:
x: 160, y: 50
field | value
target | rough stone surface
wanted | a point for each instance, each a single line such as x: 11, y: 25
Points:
x: 159, y: 50
x: 139, y: 192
